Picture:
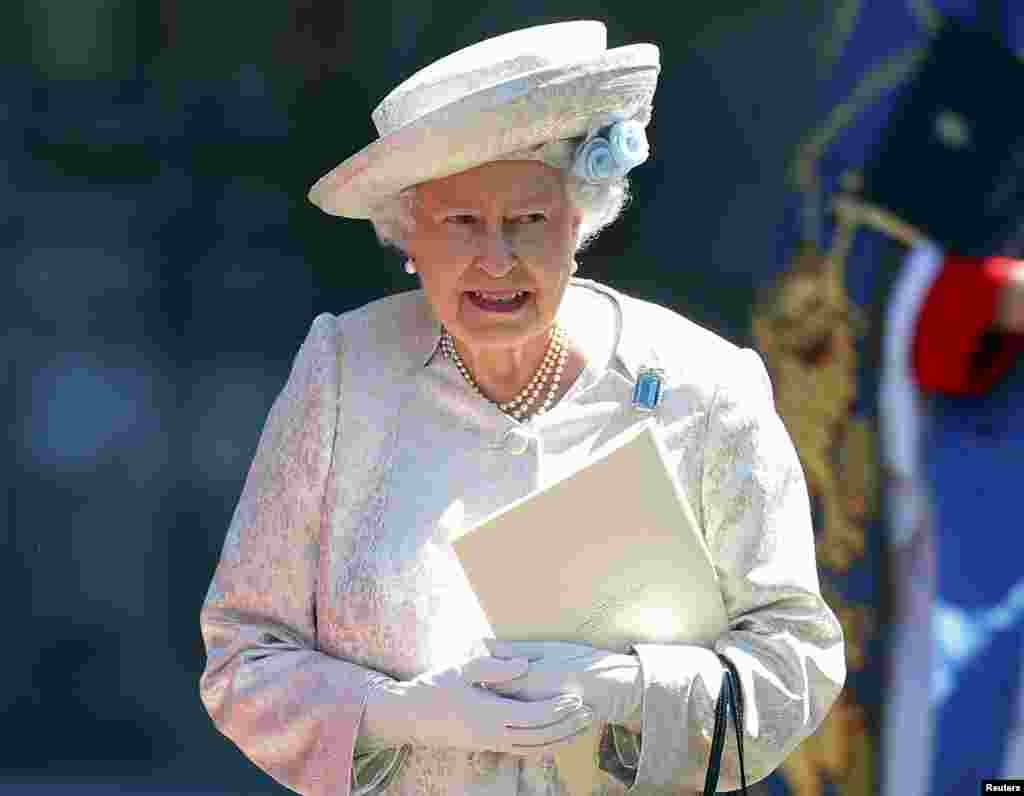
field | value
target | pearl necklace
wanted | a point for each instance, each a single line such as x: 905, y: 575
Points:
x: 551, y: 369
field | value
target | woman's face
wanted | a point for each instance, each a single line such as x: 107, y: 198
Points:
x: 494, y: 250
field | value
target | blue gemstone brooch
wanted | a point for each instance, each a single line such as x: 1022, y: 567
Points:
x: 647, y: 390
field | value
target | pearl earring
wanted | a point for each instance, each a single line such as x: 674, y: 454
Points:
x: 410, y: 267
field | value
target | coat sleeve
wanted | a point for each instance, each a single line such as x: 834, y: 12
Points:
x: 783, y: 639
x: 292, y: 710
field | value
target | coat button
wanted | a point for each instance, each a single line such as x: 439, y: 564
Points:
x: 517, y: 441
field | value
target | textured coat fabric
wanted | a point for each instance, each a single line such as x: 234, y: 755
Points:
x: 336, y: 565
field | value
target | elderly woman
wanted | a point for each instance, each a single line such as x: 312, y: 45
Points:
x: 346, y: 651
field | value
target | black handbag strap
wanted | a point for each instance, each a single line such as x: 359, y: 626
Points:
x: 730, y: 699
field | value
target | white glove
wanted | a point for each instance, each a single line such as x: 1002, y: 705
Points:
x: 445, y: 708
x: 609, y: 683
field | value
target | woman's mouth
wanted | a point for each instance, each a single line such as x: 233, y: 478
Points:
x: 498, y: 300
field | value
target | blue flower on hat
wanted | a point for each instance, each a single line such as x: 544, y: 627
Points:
x: 611, y: 152
x: 595, y: 162
x: 628, y: 143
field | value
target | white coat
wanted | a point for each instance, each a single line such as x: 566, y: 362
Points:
x: 336, y: 563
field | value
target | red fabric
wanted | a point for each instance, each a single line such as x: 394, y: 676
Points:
x: 956, y: 349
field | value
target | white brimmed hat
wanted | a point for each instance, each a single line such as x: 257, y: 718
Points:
x: 496, y: 97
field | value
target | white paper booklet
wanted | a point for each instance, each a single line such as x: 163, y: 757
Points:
x: 609, y: 555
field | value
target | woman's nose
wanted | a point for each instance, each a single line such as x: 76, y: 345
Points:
x: 495, y: 254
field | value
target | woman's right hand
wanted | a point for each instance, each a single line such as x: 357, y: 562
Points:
x: 441, y: 708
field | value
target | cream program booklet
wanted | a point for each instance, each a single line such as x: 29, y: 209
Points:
x: 609, y: 555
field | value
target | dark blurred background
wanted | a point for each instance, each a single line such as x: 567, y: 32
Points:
x: 165, y: 265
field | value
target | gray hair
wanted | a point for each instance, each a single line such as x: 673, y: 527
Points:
x: 599, y: 203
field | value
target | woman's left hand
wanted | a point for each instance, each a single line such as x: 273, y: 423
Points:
x: 611, y: 684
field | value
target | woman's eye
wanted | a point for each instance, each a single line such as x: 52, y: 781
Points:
x: 531, y: 218
x: 461, y: 219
